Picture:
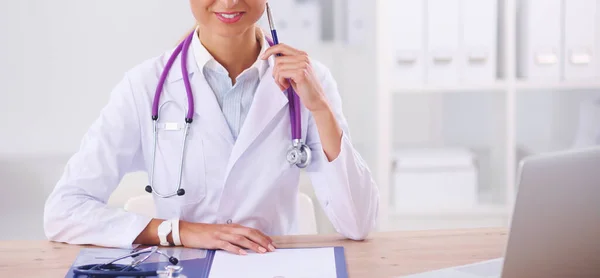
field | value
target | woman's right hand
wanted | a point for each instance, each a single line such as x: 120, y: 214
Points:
x: 229, y: 237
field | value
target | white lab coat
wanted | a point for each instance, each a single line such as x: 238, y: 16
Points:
x: 247, y: 181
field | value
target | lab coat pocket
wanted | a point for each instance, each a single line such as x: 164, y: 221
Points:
x: 178, y: 161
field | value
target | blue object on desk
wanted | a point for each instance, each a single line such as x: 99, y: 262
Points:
x: 340, y: 262
x: 186, y: 262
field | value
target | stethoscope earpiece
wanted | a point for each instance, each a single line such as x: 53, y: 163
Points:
x: 180, y: 192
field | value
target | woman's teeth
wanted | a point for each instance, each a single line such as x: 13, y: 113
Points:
x: 230, y: 16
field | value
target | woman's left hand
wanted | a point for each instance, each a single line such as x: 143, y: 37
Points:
x: 294, y: 65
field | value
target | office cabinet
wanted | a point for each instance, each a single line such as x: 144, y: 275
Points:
x: 356, y: 21
x: 408, y: 62
x: 539, y: 29
x: 442, y: 41
x: 305, y: 29
x: 478, y: 42
x: 539, y: 42
x: 580, y: 45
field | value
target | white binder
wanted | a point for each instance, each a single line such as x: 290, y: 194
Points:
x: 477, y: 60
x: 540, y: 40
x: 580, y: 62
x: 442, y: 41
x: 305, y: 25
x: 357, y: 21
x: 408, y: 62
x: 432, y: 179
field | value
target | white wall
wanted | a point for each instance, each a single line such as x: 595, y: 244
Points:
x: 60, y: 60
x: 549, y: 121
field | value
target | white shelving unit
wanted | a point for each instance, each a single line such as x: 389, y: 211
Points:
x: 390, y: 218
x: 560, y: 86
x: 498, y: 86
x: 370, y: 94
x: 505, y: 149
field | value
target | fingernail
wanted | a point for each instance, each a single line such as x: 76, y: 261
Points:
x: 243, y: 252
x: 271, y: 248
x: 274, y: 244
x: 262, y: 249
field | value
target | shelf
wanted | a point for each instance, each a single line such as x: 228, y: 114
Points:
x: 477, y: 211
x: 497, y: 86
x: 558, y: 85
x: 490, y: 87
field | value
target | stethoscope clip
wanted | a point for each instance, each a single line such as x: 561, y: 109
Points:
x: 299, y: 154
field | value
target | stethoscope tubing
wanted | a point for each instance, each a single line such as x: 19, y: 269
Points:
x: 293, y: 98
x: 182, y: 47
x: 93, y: 270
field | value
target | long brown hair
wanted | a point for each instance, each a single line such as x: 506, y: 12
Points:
x: 187, y: 34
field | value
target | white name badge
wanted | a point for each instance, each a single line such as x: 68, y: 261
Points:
x: 172, y: 126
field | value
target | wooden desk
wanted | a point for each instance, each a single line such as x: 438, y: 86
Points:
x: 381, y: 255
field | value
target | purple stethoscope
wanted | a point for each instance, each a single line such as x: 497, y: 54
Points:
x: 299, y: 153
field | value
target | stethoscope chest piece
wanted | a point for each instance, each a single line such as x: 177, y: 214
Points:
x: 299, y: 154
x: 171, y: 271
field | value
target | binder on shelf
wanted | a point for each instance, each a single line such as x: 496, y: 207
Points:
x: 442, y: 42
x: 478, y: 44
x: 408, y: 19
x: 435, y: 179
x: 357, y: 21
x: 305, y: 29
x: 539, y: 38
x: 581, y: 40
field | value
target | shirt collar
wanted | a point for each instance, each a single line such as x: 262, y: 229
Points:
x: 205, y: 60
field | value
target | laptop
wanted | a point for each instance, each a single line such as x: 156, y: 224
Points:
x: 555, y: 229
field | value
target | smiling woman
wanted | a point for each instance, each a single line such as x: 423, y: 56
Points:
x: 216, y: 131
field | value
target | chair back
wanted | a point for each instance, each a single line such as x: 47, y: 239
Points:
x: 307, y: 223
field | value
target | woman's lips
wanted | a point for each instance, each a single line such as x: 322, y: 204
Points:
x: 230, y: 17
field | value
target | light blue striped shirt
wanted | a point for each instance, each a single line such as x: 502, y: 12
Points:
x: 234, y: 100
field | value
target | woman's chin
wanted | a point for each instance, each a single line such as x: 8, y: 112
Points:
x: 230, y: 31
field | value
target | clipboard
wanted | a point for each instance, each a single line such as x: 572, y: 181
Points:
x: 199, y: 262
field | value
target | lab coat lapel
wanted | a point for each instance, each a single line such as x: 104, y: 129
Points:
x: 209, y: 110
x: 268, y: 102
x: 206, y: 108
